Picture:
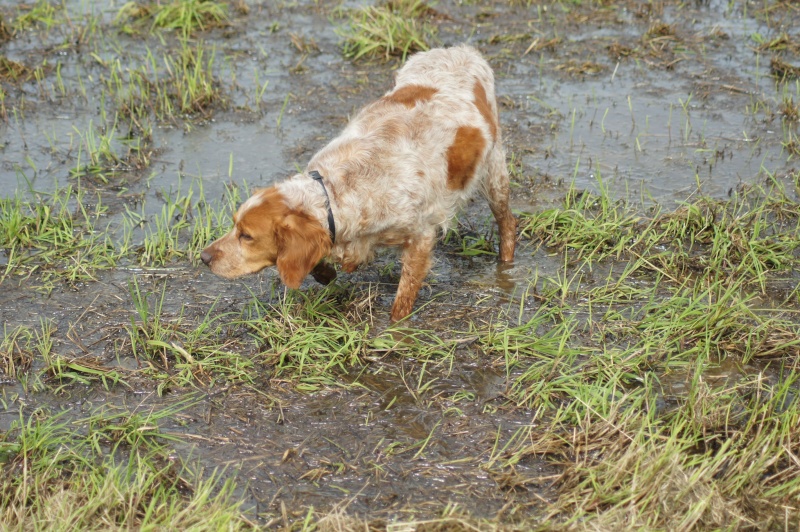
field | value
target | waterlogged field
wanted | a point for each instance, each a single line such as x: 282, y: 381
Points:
x: 636, y: 367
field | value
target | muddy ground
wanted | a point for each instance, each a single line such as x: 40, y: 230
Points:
x: 656, y: 100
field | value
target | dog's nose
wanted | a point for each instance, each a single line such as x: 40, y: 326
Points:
x: 206, y: 257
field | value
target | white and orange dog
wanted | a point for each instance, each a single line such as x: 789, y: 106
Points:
x: 399, y: 172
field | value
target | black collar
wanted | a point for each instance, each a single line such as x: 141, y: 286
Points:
x: 331, y: 225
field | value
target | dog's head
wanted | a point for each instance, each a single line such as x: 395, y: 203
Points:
x: 265, y: 233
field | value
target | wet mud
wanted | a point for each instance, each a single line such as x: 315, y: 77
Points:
x: 656, y: 101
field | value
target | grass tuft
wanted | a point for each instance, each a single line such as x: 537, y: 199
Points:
x: 118, y: 476
x: 59, y: 237
x: 747, y: 237
x: 42, y: 13
x: 13, y: 70
x: 782, y: 70
x: 55, y: 237
x: 5, y: 31
x: 180, y: 352
x: 104, y: 153
x: 381, y: 32
x: 627, y: 468
x: 19, y: 347
x: 306, y: 339
x: 790, y: 111
x: 665, y: 394
x: 184, y: 87
x: 186, y: 16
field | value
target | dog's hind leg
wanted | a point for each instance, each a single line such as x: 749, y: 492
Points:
x: 416, y: 264
x: 496, y: 190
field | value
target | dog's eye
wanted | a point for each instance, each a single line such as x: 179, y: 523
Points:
x: 245, y: 237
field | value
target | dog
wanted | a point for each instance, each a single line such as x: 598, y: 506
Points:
x: 396, y: 176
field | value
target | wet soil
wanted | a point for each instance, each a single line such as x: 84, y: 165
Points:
x: 655, y: 99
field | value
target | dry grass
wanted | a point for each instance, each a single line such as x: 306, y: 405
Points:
x: 783, y: 70
x: 11, y: 70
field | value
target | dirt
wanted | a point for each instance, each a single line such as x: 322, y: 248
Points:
x: 656, y: 100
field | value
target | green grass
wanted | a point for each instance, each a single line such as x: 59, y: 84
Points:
x: 186, y: 16
x: 380, y: 32
x: 13, y: 71
x: 311, y: 344
x: 63, y: 235
x: 55, y: 237
x: 20, y: 346
x: 116, y: 474
x: 5, y: 31
x: 165, y: 88
x: 177, y: 351
x: 42, y: 13
x: 306, y: 339
x: 645, y: 299
x: 746, y: 237
x: 720, y: 460
x: 105, y: 153
x: 185, y: 224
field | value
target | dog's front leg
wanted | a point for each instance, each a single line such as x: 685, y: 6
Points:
x: 416, y: 264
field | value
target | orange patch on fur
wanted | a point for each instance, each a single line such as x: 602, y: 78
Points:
x: 350, y: 267
x: 463, y: 156
x: 482, y: 103
x: 409, y: 95
x: 262, y: 218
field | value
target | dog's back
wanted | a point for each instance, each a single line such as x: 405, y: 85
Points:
x: 460, y: 72
x: 410, y: 159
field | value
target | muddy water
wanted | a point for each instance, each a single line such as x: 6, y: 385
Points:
x: 627, y: 118
x: 694, y: 107
x: 641, y: 125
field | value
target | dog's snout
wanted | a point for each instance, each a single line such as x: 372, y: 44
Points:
x: 206, y: 257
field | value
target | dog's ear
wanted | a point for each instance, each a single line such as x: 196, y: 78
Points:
x: 302, y: 242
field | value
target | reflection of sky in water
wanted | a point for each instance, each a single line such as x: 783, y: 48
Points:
x: 636, y: 125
